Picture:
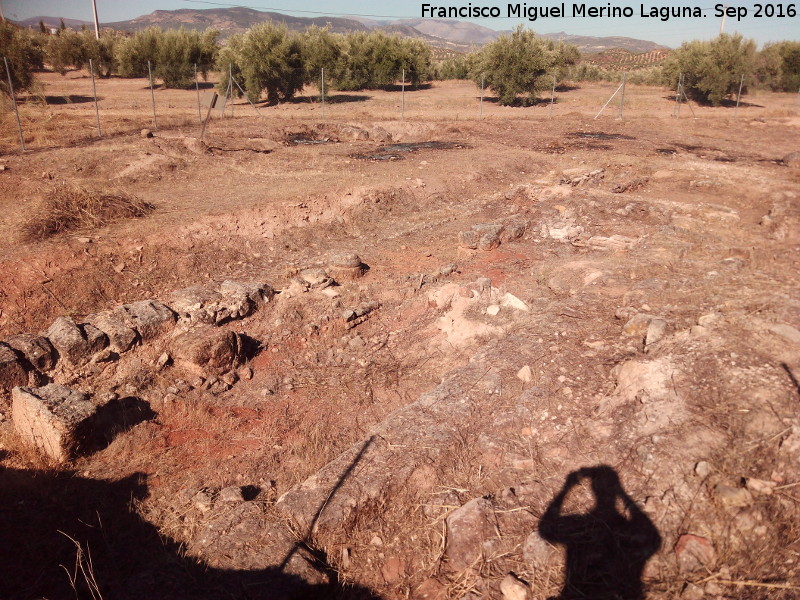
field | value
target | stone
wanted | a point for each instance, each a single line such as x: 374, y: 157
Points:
x: 792, y: 159
x: 430, y: 589
x: 37, y: 350
x: 493, y: 310
x: 694, y: 553
x: 787, y: 332
x: 637, y: 325
x: 12, y: 371
x: 163, y: 360
x: 206, y: 350
x: 525, y: 374
x: 692, y: 592
x: 54, y: 419
x: 469, y: 528
x: 733, y: 497
x: 761, y: 486
x: 245, y: 373
x: 488, y: 241
x: 203, y: 500
x: 146, y: 133
x: 148, y: 317
x: 121, y: 338
x: 316, y: 278
x: 195, y: 304
x: 656, y: 331
x: 393, y: 569
x: 614, y: 243
x: 537, y: 551
x: 469, y: 239
x: 345, y: 260
x: 76, y: 343
x: 513, y: 231
x: 232, y: 495
x: 511, y: 301
x: 258, y: 294
x: 513, y: 589
x: 702, y: 469
x: 482, y: 229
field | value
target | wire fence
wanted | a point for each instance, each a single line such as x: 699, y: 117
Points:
x: 176, y: 108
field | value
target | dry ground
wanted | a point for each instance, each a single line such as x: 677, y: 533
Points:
x: 718, y: 388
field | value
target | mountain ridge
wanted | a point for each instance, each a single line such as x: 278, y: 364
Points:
x: 459, y: 36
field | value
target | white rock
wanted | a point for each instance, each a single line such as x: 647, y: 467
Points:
x: 492, y: 310
x: 525, y: 374
x: 511, y: 301
x: 513, y: 589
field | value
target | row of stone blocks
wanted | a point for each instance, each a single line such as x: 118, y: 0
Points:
x: 57, y: 420
x: 24, y: 358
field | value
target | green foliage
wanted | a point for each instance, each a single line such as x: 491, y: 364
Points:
x: 778, y: 66
x: 23, y: 50
x: 133, y: 53
x: 453, y: 67
x: 67, y: 49
x: 322, y: 50
x: 172, y: 54
x: 712, y: 70
x: 373, y: 60
x: 179, y: 50
x: 522, y: 63
x: 265, y: 58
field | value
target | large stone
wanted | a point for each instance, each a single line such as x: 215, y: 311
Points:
x: 12, y: 371
x: 255, y: 293
x: 469, y: 239
x: 207, y: 350
x: 148, y: 317
x: 694, y: 553
x: 345, y: 265
x: 195, y: 304
x: 76, y: 343
x: 792, y: 159
x: 469, y: 528
x: 120, y: 337
x: 53, y: 419
x: 37, y: 350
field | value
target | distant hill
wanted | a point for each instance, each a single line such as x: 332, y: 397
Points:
x: 54, y: 22
x: 456, y: 36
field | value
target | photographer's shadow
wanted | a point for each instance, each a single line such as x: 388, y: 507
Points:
x: 608, y: 547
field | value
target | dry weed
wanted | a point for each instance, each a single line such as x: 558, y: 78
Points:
x: 67, y: 208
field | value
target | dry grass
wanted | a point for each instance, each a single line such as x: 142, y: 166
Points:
x: 67, y: 208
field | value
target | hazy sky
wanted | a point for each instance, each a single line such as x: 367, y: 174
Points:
x: 670, y: 33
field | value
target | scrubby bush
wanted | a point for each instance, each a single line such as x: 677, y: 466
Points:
x: 522, y: 63
x: 712, y: 70
x: 23, y: 50
x: 267, y: 58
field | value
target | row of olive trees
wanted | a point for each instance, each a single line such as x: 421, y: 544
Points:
x: 713, y: 69
x: 172, y: 54
x: 270, y: 59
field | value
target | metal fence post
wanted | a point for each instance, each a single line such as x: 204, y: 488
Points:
x: 14, y: 102
x: 94, y: 93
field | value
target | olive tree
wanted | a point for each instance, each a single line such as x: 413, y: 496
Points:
x: 521, y: 64
x: 267, y: 58
x: 712, y: 70
x: 24, y: 54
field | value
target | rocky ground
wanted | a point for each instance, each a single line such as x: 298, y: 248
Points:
x: 518, y: 358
